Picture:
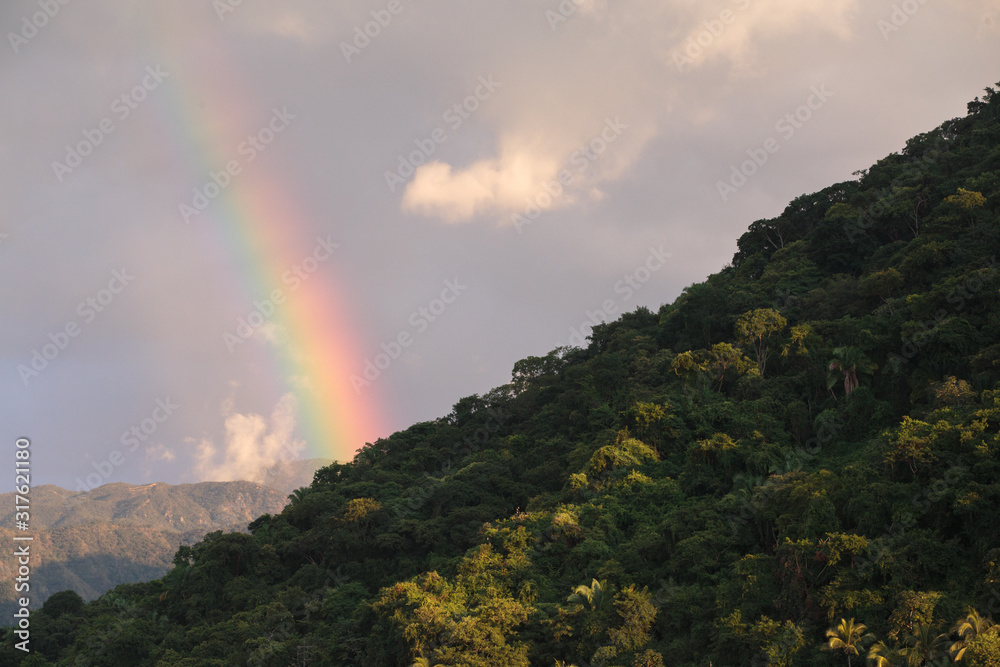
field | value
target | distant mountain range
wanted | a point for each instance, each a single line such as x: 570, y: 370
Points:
x: 122, y: 533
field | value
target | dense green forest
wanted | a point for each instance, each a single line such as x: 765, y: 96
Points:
x: 795, y: 463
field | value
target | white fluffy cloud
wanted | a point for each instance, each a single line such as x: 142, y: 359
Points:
x: 252, y: 443
x: 497, y: 184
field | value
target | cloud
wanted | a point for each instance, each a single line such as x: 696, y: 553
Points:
x: 528, y: 172
x: 486, y: 186
x: 252, y: 444
x: 605, y: 61
x: 736, y: 31
x: 272, y: 332
x: 308, y: 22
x: 159, y: 453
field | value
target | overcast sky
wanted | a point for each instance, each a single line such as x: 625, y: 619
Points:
x: 548, y: 159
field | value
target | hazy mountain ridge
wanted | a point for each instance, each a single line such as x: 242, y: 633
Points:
x: 91, y: 558
x: 180, y: 508
x: 120, y: 533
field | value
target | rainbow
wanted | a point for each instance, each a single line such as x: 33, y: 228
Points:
x: 263, y: 233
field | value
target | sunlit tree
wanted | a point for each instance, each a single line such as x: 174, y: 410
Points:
x: 755, y: 327
x: 966, y: 628
x: 848, y: 637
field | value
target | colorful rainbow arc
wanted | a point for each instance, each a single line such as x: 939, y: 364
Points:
x: 264, y: 233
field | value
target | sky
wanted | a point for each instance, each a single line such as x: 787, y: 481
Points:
x: 239, y: 232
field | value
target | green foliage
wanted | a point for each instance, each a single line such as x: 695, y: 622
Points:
x: 755, y: 329
x: 914, y: 613
x: 911, y: 442
x: 968, y: 629
x: 63, y: 602
x: 611, y: 461
x: 848, y: 637
x: 708, y: 367
x: 848, y: 362
x: 924, y: 645
x: 983, y: 651
x: 967, y: 199
x: 636, y: 613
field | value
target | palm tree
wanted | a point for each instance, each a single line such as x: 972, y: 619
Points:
x: 847, y: 637
x: 367, y: 455
x: 882, y: 655
x: 969, y: 626
x: 593, y: 596
x: 848, y: 361
x: 298, y: 494
x: 924, y: 646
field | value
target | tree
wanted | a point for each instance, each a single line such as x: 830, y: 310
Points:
x: 848, y: 636
x: 710, y: 366
x: 723, y: 357
x: 967, y: 199
x: 591, y: 597
x: 653, y: 421
x: 779, y: 642
x: 968, y: 627
x: 920, y: 203
x: 913, y: 609
x: 755, y: 327
x: 63, y: 602
x: 881, y: 284
x: 911, y: 442
x: 636, y: 613
x: 882, y: 655
x: 297, y: 495
x: 983, y: 650
x: 714, y: 450
x: 533, y: 369
x: 848, y: 361
x: 611, y: 460
x: 924, y: 645
x: 648, y: 659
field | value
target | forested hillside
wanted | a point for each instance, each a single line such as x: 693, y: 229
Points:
x: 795, y: 463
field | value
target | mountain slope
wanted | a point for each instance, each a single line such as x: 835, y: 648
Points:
x: 810, y: 435
x: 169, y: 507
x: 122, y: 533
